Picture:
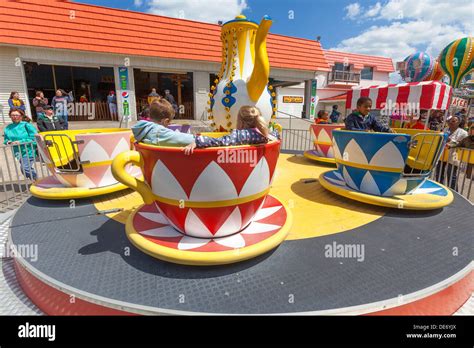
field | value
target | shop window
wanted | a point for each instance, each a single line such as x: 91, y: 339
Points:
x: 341, y: 67
x: 367, y: 73
x: 93, y: 84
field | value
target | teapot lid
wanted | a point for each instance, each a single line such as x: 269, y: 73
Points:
x: 240, y: 18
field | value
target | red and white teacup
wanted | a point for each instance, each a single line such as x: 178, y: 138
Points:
x: 322, y: 134
x: 214, y: 192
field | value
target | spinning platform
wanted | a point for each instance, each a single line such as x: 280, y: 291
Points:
x: 51, y: 188
x: 412, y: 262
x: 430, y: 195
x: 314, y: 156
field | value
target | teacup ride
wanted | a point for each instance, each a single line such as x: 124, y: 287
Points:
x: 391, y: 169
x: 212, y: 207
x: 322, y: 151
x: 79, y: 162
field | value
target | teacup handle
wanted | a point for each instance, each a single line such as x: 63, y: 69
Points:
x: 118, y: 170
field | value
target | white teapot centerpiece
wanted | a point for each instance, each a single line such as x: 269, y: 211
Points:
x: 244, y: 73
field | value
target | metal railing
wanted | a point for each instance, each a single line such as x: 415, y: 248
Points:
x: 425, y: 150
x: 295, y: 141
x: 343, y: 76
x: 17, y: 173
x: 288, y: 121
x: 65, y: 151
x: 455, y: 170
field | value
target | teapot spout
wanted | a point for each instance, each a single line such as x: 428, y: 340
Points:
x: 261, y: 71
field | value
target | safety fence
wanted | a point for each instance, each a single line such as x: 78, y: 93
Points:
x: 295, y: 141
x: 20, y: 166
x: 455, y: 170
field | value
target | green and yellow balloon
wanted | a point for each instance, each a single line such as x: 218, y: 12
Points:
x: 456, y: 59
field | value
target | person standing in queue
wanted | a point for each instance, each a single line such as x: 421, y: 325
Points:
x: 60, y: 105
x: 169, y: 97
x: 20, y: 135
x: 49, y: 121
x: 39, y: 102
x: 335, y: 114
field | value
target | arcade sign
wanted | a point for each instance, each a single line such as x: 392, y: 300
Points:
x: 292, y: 99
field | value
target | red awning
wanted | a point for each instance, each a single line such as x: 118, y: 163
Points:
x: 428, y: 95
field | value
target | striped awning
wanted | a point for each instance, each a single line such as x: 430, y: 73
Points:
x: 425, y: 95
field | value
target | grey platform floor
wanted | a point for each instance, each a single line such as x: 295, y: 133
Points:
x: 404, y: 252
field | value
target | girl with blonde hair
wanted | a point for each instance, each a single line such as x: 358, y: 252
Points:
x: 251, y: 129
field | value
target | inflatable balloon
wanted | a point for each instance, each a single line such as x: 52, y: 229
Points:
x: 436, y: 74
x: 456, y: 59
x: 419, y: 66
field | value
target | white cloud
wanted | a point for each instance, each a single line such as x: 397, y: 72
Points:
x: 374, y: 10
x: 409, y: 26
x: 395, y: 77
x: 398, y: 39
x: 203, y: 10
x: 138, y: 3
x: 353, y: 10
x: 438, y: 11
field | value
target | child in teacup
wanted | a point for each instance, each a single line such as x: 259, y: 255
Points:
x: 363, y: 120
x: 323, y: 117
x: 251, y: 129
x: 154, y: 131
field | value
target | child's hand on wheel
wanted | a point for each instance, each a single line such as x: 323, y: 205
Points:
x: 188, y: 150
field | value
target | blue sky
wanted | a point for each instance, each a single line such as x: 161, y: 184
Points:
x: 311, y: 18
x: 393, y: 28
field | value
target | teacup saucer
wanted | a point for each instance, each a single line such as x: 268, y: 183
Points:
x: 430, y: 195
x: 314, y: 156
x: 51, y: 188
x: 150, y: 232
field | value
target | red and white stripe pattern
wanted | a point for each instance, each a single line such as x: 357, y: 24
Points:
x: 426, y: 95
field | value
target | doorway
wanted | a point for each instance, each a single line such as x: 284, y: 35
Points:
x: 179, y: 85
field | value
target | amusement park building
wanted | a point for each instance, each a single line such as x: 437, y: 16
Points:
x: 347, y: 70
x: 91, y: 50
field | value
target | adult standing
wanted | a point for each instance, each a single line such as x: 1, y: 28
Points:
x: 152, y: 96
x: 60, y: 105
x: 39, y: 102
x: 169, y: 97
x: 335, y: 114
x: 49, y: 121
x: 455, y: 135
x: 112, y: 103
x: 21, y: 135
x: 15, y: 102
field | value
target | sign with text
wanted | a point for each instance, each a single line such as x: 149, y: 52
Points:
x: 312, y: 110
x: 123, y: 77
x: 292, y: 99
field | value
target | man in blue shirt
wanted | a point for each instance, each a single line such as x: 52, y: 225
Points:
x: 334, y: 114
x: 362, y: 120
